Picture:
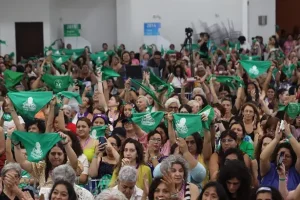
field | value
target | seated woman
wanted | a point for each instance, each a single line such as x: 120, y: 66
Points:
x: 289, y: 152
x: 228, y: 140
x: 132, y: 154
x: 63, y: 188
x: 213, y: 190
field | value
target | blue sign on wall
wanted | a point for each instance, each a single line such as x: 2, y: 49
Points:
x: 151, y: 29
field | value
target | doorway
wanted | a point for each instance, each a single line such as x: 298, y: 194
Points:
x: 29, y: 39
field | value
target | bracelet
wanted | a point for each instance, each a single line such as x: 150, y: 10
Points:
x: 282, y: 179
x: 289, y: 136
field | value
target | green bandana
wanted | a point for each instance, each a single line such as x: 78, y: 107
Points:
x: 210, y: 113
x: 108, y: 72
x: 160, y: 84
x: 11, y: 55
x: 148, y: 49
x: 36, y: 145
x: 2, y: 42
x: 231, y: 81
x: 162, y: 50
x: 99, y: 58
x: 292, y: 109
x: 69, y: 95
x: 288, y: 70
x: 147, y: 90
x: 170, y: 52
x: 57, y: 83
x: 59, y: 60
x: 28, y: 104
x: 12, y: 78
x: 7, y: 117
x: 148, y: 121
x: 187, y: 124
x: 256, y: 68
x: 245, y: 57
x: 98, y: 131
x: 235, y: 46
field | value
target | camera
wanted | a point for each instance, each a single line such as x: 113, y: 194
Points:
x: 188, y: 31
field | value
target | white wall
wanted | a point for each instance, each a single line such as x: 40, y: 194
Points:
x: 97, y: 19
x: 265, y: 8
x: 175, y: 15
x: 12, y: 11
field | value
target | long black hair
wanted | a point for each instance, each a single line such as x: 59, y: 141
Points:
x: 70, y: 188
x: 219, y: 190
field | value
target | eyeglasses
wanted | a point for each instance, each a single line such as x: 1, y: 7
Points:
x: 155, y: 140
x: 227, y: 140
x: 173, y: 108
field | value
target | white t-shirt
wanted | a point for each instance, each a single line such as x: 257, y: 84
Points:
x: 10, y: 124
x: 177, y: 82
x: 84, y: 161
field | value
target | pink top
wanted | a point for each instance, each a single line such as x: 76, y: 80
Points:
x: 188, y: 72
x: 135, y: 62
x: 288, y: 45
x: 165, y: 150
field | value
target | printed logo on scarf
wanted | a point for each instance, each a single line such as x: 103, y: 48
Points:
x: 181, y: 127
x: 148, y: 120
x: 253, y: 70
x: 94, y: 134
x: 29, y: 105
x: 58, y: 83
x: 37, y: 152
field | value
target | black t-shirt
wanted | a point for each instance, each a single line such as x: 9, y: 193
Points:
x: 4, y: 197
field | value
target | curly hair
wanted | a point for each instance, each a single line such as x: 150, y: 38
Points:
x: 167, y: 164
x: 236, y: 169
x: 286, y: 146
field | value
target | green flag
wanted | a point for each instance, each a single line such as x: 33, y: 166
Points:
x: 11, y: 55
x: 148, y: 48
x: 71, y: 52
x: 37, y: 145
x: 236, y: 46
x: 98, y: 131
x: 109, y: 52
x: 108, y: 72
x: 210, y: 114
x: 160, y: 84
x: 245, y: 57
x: 148, y: 121
x: 292, y: 109
x: 256, y: 68
x: 99, y: 58
x: 70, y: 95
x: 169, y: 52
x: 187, y: 124
x: 231, y: 81
x: 2, y: 42
x: 12, y: 78
x: 147, y: 90
x: 59, y: 60
x: 162, y: 50
x: 57, y: 83
x: 29, y: 103
x: 288, y: 70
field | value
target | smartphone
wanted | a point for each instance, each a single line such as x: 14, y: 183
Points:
x: 102, y: 140
x: 281, y: 127
x: 280, y: 160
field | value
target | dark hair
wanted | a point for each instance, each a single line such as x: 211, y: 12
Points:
x: 118, y: 100
x: 20, y: 68
x: 151, y: 133
x: 75, y: 143
x: 249, y: 98
x: 219, y: 190
x: 276, y: 195
x: 118, y: 140
x: 236, y: 169
x: 164, y: 128
x: 86, y: 120
x: 271, y: 123
x: 155, y: 183
x: 39, y: 123
x: 258, y: 148
x: 47, y: 161
x: 281, y: 91
x: 238, y: 123
x: 157, y: 53
x: 70, y: 188
x: 173, y: 148
x: 33, y: 78
x: 187, y: 107
x: 124, y: 52
x: 220, y: 108
x: 225, y: 133
x: 230, y: 151
x: 199, y: 142
x: 139, y: 149
x: 205, y: 103
x: 104, y: 44
x: 254, y: 107
x: 286, y: 146
x: 224, y: 88
x: 181, y: 71
x: 276, y: 41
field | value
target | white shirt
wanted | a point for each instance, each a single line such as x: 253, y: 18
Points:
x: 10, y: 124
x: 136, y: 195
x: 83, y: 159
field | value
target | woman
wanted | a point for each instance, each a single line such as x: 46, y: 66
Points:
x: 111, y: 86
x: 228, y: 140
x: 131, y: 153
x: 165, y: 142
x: 244, y: 142
x: 85, y: 109
x: 289, y: 152
x: 177, y: 166
x: 60, y: 154
x: 151, y: 107
x: 213, y: 191
x: 142, y: 103
x: 99, y: 120
x: 232, y: 154
x: 178, y: 78
x: 88, y: 144
x: 263, y: 193
x: 62, y: 190
x: 105, y: 159
x: 195, y: 105
x: 128, y: 110
x: 236, y: 180
x: 162, y: 189
x: 153, y: 155
x: 114, y: 109
x: 7, y: 118
x: 185, y: 108
x: 250, y: 117
x: 201, y: 100
x: 11, y: 175
x: 134, y: 61
x: 126, y: 59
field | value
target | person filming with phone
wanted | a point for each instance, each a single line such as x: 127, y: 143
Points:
x: 285, y: 154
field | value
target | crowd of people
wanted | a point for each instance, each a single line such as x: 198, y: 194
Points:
x: 212, y: 122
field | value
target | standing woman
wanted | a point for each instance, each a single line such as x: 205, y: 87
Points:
x: 88, y: 144
x: 132, y: 154
x: 178, y: 78
x: 250, y: 117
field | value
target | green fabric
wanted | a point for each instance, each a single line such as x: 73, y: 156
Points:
x: 108, y: 72
x: 2, y: 42
x: 24, y: 174
x: 292, y: 109
x: 162, y: 50
x: 71, y: 52
x: 70, y: 95
x: 231, y: 81
x: 160, y: 84
x: 59, y: 60
x: 288, y: 70
x: 194, y: 46
x: 36, y: 145
x: 147, y: 90
x: 169, y: 52
x: 148, y: 48
x: 108, y: 52
x: 7, y: 117
x: 236, y: 46
x: 210, y: 113
x: 28, y: 104
x: 57, y: 83
x: 245, y: 57
x: 256, y: 68
x: 99, y: 58
x: 148, y: 121
x: 98, y: 131
x: 247, y: 148
x: 12, y: 78
x: 11, y: 55
x: 187, y: 124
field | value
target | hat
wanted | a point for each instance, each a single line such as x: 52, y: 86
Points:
x: 127, y: 120
x: 119, y: 131
x: 104, y: 117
